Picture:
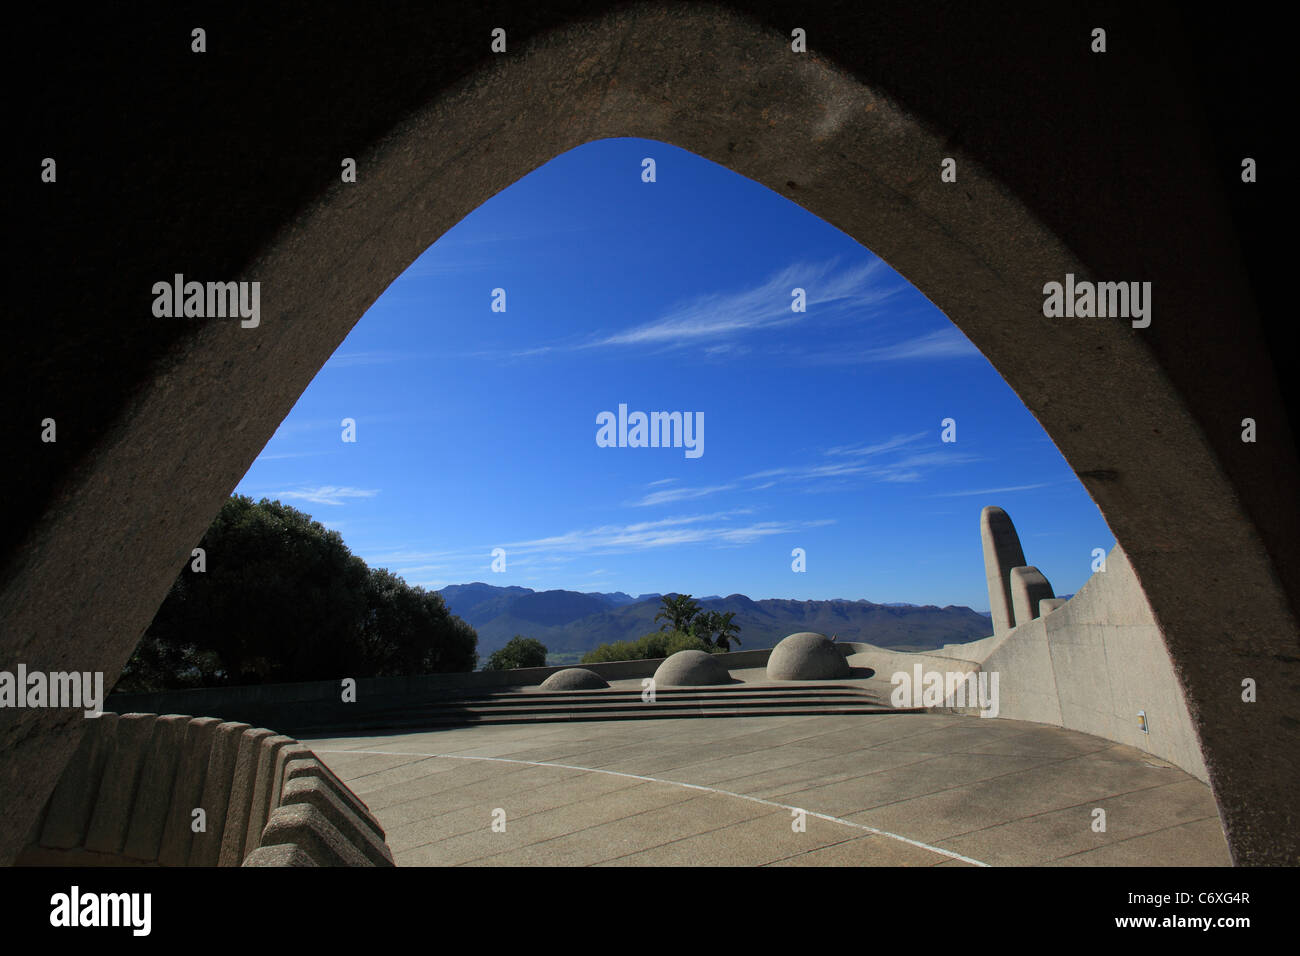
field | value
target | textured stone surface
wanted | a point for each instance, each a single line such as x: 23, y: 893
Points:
x: 691, y: 669
x: 574, y: 678
x: 205, y: 850
x: 73, y: 800
x: 1003, y: 791
x: 325, y: 797
x: 282, y: 854
x: 242, y: 789
x: 158, y: 422
x: 140, y: 777
x: 1028, y: 587
x: 1002, y: 552
x: 187, y: 793
x: 807, y: 656
x: 311, y: 767
x: 1092, y: 664
x: 117, y: 787
x: 266, y: 788
x: 309, y: 829
x: 154, y: 795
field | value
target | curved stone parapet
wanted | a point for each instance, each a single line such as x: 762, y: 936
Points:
x: 133, y: 792
x: 807, y: 656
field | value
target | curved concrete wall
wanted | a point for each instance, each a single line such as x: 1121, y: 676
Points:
x: 128, y: 796
x: 1092, y: 664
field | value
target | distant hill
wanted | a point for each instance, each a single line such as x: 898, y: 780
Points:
x: 573, y: 621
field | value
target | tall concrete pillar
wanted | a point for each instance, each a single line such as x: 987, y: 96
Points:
x: 1002, y: 552
x: 1028, y: 587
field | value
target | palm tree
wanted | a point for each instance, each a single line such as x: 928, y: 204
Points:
x: 725, y: 628
x: 678, y: 611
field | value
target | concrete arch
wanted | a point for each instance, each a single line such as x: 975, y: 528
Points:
x: 1208, y: 522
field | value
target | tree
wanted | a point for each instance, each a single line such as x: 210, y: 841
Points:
x: 678, y: 612
x: 409, y: 630
x: 717, y: 629
x: 283, y: 599
x: 519, y: 651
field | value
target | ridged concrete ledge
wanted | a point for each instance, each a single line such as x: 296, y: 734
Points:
x: 128, y: 796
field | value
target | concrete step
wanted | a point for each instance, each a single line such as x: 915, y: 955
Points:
x: 646, y: 712
x: 620, y: 704
x: 540, y: 703
x: 629, y: 699
x: 738, y: 690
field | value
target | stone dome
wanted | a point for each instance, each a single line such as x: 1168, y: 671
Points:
x: 807, y: 656
x: 691, y: 669
x: 574, y: 678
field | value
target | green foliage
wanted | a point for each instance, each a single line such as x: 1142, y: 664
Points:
x: 682, y: 614
x: 519, y: 651
x: 283, y: 599
x: 717, y: 629
x: 678, y: 641
x: 654, y: 645
x: 679, y: 610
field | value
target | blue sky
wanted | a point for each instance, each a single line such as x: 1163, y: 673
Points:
x: 477, y: 429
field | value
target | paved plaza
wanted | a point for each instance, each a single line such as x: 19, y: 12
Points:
x: 920, y: 789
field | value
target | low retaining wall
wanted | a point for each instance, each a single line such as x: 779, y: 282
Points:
x: 129, y: 797
x: 318, y: 706
x: 1092, y: 664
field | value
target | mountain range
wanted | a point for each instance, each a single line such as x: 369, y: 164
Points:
x: 572, y: 622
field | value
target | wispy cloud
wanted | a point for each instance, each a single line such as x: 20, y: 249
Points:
x: 326, y: 494
x: 946, y: 343
x: 899, y: 459
x: 730, y: 314
x: 291, y: 454
x: 889, y: 444
x: 669, y: 495
x: 991, y: 491
x: 942, y: 343
x: 666, y: 532
x: 861, y: 462
x: 717, y: 529
x: 379, y: 357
